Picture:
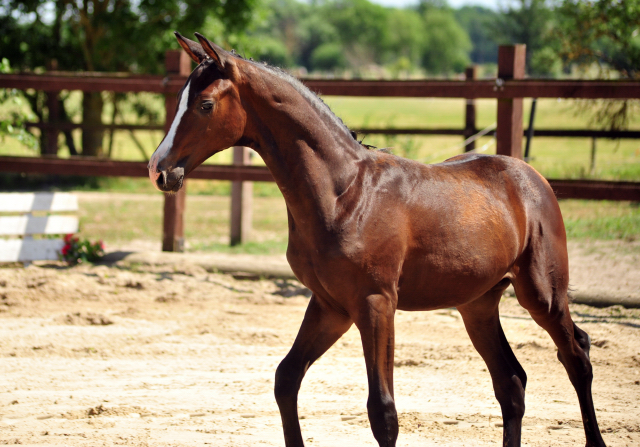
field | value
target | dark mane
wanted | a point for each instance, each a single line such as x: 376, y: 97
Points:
x: 321, y: 107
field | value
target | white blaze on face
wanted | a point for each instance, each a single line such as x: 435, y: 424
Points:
x: 167, y: 142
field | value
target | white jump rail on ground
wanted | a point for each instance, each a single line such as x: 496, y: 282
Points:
x: 24, y: 216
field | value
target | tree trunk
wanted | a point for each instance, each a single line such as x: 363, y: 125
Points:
x: 92, y: 105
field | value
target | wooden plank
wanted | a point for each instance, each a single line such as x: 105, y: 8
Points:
x: 30, y: 225
x: 87, y: 166
x: 470, y: 111
x: 528, y: 88
x: 173, y: 221
x: 50, y: 82
x: 177, y: 62
x: 241, y: 200
x: 596, y: 190
x: 589, y: 189
x: 41, y: 201
x: 570, y: 133
x: 72, y: 126
x: 22, y: 250
x: 525, y: 88
x: 509, y: 131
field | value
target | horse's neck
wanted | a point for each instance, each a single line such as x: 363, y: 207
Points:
x: 312, y: 159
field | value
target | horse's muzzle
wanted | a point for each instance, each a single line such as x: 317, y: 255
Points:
x: 167, y: 180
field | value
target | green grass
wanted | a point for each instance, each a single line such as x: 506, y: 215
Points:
x: 116, y: 219
x: 119, y: 219
x: 586, y: 219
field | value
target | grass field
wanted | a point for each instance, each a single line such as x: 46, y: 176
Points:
x: 207, y: 229
x: 119, y: 218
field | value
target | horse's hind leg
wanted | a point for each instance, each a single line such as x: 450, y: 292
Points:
x: 541, y: 288
x: 321, y: 328
x: 482, y: 322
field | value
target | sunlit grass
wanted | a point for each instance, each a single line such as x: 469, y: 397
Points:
x: 121, y: 218
x: 601, y: 219
x: 116, y: 219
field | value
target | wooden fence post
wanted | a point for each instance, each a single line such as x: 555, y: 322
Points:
x: 511, y: 60
x: 53, y: 106
x: 470, y: 111
x: 177, y: 62
x: 241, y: 200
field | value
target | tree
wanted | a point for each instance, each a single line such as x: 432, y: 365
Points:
x: 479, y: 22
x: 11, y: 123
x: 607, y: 33
x: 406, y: 37
x: 531, y: 22
x: 446, y: 44
x: 104, y: 35
x: 362, y: 29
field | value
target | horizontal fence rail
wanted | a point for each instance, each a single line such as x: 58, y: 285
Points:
x: 495, y: 89
x: 568, y: 133
x: 100, y: 167
x: 84, y: 166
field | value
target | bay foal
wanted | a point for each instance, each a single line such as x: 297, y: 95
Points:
x: 370, y: 233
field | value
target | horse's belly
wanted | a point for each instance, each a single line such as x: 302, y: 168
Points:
x: 426, y: 286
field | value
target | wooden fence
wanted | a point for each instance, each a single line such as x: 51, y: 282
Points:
x: 508, y: 89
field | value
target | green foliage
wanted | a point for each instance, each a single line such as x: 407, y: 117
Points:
x: 358, y: 34
x: 602, y: 31
x: 479, y: 24
x: 406, y: 37
x: 362, y: 29
x: 110, y: 35
x: 533, y: 23
x: 607, y: 33
x: 447, y: 45
x: 328, y: 56
x: 14, y: 113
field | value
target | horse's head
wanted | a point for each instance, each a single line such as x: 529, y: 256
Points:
x: 209, y: 116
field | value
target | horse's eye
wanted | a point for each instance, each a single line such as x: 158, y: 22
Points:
x: 207, y: 106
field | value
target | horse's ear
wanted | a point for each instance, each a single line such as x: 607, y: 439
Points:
x: 213, y: 51
x: 193, y: 49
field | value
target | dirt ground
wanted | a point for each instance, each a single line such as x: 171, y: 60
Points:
x: 159, y: 356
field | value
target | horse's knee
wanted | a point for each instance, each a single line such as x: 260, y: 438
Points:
x: 288, y: 378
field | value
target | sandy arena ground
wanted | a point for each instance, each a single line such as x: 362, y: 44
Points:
x: 158, y: 356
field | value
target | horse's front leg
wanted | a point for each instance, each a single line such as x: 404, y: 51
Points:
x: 321, y: 327
x: 375, y: 322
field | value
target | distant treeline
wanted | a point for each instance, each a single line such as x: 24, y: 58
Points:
x: 433, y: 38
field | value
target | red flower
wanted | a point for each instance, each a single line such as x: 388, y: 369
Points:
x: 68, y: 237
x: 66, y: 248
